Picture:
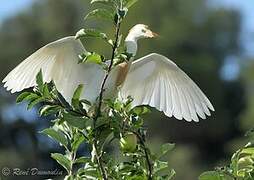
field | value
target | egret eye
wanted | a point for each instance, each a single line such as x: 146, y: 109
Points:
x: 143, y: 30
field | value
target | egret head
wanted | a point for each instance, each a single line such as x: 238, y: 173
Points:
x: 140, y: 31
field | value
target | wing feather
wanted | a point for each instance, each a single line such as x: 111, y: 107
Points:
x: 168, y: 97
x: 176, y: 101
x: 58, y: 62
x: 156, y: 81
x: 184, y: 104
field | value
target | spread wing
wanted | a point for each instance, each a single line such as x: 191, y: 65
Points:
x: 156, y: 81
x: 59, y: 62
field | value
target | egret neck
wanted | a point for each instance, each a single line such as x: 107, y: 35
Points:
x: 131, y: 42
x: 123, y: 68
x: 131, y: 45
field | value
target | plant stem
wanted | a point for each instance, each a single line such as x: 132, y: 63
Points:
x: 58, y: 103
x: 70, y: 152
x: 98, y: 158
x: 148, y: 161
x: 114, y: 49
x: 73, y: 157
x: 109, y: 69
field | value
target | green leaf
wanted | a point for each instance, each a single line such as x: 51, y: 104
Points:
x: 48, y: 110
x: 31, y: 104
x: 234, y: 161
x: 70, y: 177
x: 31, y: 97
x: 249, y: 150
x: 245, y: 161
x: 82, y: 160
x: 211, y: 175
x: 46, y: 92
x: 159, y: 166
x: 62, y: 160
x: 140, y: 110
x: 56, y: 135
x: 88, y: 172
x: 165, y: 148
x: 76, y: 121
x: 78, y: 140
x: 91, y: 33
x: 22, y: 96
x: 129, y: 3
x: 100, y: 14
x: 39, y: 81
x: 94, y: 58
x: 105, y: 2
x: 171, y: 174
x: 76, y: 96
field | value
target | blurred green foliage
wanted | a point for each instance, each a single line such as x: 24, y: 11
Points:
x: 241, y: 165
x: 192, y: 34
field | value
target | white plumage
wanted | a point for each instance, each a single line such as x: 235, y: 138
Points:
x: 152, y: 80
x: 59, y: 62
x: 163, y: 85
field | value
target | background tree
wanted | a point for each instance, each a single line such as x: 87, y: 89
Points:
x: 196, y: 37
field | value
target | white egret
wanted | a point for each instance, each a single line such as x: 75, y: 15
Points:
x: 152, y: 80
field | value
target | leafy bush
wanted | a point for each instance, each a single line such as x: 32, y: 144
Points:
x: 241, y: 166
x: 118, y: 125
x: 115, y: 136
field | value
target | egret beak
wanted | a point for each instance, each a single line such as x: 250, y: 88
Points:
x: 151, y: 34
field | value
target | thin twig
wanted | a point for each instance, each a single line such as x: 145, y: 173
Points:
x: 108, y: 71
x: 143, y: 144
x: 58, y: 103
x: 148, y: 161
x: 73, y: 157
x: 98, y: 157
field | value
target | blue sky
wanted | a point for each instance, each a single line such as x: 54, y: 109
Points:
x: 246, y: 8
x: 231, y: 68
x: 11, y: 7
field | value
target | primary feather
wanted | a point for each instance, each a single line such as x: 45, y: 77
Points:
x: 58, y: 62
x: 156, y: 81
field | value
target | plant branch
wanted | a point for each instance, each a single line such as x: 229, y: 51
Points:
x: 109, y: 70
x: 143, y: 144
x: 73, y: 157
x: 58, y: 103
x: 148, y: 161
x: 114, y: 49
x: 98, y: 158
